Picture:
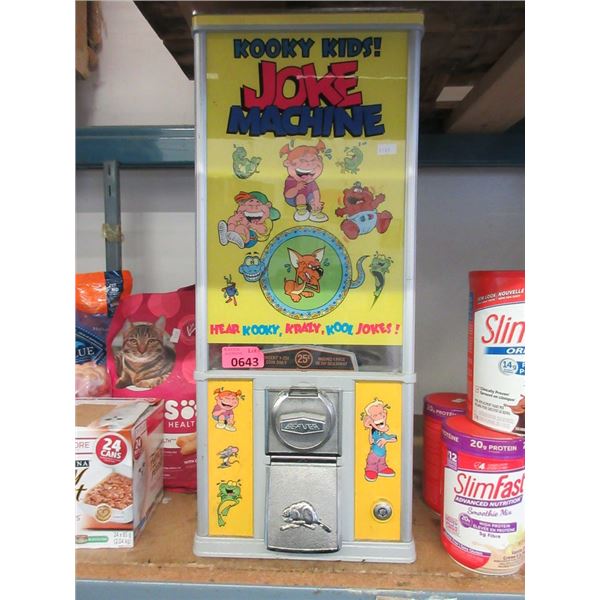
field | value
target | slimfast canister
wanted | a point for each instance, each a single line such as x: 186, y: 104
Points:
x: 482, y: 520
x: 496, y: 350
x: 437, y: 407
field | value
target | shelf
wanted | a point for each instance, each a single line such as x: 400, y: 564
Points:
x: 163, y: 558
x: 168, y: 147
x: 164, y: 554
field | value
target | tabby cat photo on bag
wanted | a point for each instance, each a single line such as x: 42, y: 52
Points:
x: 144, y: 355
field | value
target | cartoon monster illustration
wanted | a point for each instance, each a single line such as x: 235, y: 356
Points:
x: 374, y: 418
x: 251, y: 222
x: 360, y: 210
x: 304, y: 165
x: 229, y: 494
x: 243, y: 166
x: 252, y: 267
x: 225, y: 403
x: 307, y: 254
x: 380, y: 265
x: 308, y: 272
x: 230, y: 291
x: 302, y: 514
x: 352, y: 159
x: 227, y: 456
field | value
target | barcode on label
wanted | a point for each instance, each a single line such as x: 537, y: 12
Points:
x: 383, y: 149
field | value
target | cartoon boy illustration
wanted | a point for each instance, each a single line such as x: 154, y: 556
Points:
x: 304, y: 164
x: 225, y: 402
x: 251, y: 222
x: 374, y: 419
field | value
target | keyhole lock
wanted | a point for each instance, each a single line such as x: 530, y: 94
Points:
x: 382, y: 511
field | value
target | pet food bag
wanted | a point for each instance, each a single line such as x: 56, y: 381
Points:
x: 97, y: 296
x: 151, y: 353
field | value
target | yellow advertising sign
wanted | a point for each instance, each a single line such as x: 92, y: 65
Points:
x: 230, y: 458
x: 306, y: 135
x: 377, y: 459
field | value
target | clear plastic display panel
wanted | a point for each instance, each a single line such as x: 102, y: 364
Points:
x: 306, y: 180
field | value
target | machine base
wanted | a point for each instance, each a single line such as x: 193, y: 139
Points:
x: 380, y: 552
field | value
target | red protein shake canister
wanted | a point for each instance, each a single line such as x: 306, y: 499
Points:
x: 437, y: 407
x: 482, y: 521
x: 496, y: 350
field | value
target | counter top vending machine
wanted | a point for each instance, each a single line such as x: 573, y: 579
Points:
x: 306, y: 158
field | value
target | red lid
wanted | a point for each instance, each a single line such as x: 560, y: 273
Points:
x: 460, y: 431
x: 445, y: 404
x: 492, y: 288
x: 496, y: 277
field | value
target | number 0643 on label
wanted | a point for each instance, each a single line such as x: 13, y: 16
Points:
x: 242, y: 357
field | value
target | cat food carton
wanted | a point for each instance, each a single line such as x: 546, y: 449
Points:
x: 152, y: 353
x: 118, y: 469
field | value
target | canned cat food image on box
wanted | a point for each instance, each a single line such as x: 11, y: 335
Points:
x: 437, y: 407
x: 496, y: 350
x: 482, y: 521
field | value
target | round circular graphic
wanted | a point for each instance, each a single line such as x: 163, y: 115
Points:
x: 188, y: 366
x: 465, y: 520
x: 508, y: 366
x: 164, y: 304
x: 103, y: 513
x: 303, y: 359
x: 187, y: 330
x: 111, y: 449
x: 307, y: 273
x: 132, y: 304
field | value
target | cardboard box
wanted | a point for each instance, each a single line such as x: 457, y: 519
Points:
x: 118, y: 469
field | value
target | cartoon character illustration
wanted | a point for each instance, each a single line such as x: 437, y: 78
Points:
x: 225, y: 403
x: 380, y: 265
x: 302, y: 514
x: 374, y: 418
x: 352, y: 159
x: 304, y: 164
x: 227, y: 456
x: 230, y: 494
x: 519, y: 410
x: 230, y: 291
x: 360, y: 210
x: 307, y: 275
x: 251, y: 222
x: 252, y: 267
x: 308, y: 254
x: 244, y: 167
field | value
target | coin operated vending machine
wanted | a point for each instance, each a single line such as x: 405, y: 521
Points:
x: 306, y: 156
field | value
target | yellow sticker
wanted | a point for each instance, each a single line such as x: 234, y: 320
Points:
x: 230, y: 458
x: 378, y: 460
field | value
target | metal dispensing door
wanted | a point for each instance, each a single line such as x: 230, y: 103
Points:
x: 306, y: 129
